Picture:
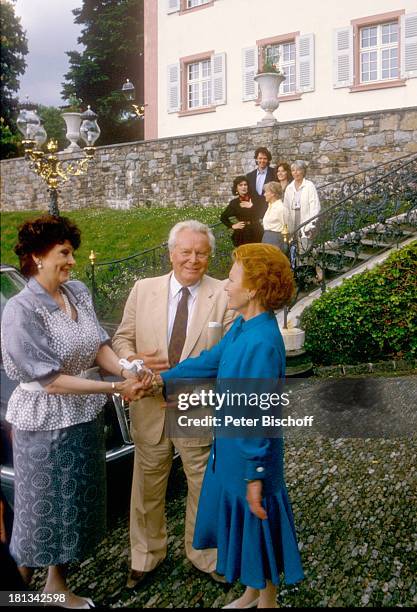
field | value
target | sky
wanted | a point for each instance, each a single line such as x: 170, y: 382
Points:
x: 50, y: 31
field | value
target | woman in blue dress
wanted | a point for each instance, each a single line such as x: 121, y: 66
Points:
x: 244, y: 510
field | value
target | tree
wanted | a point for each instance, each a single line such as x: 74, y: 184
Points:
x: 10, y: 143
x: 54, y: 124
x: 113, y: 41
x: 13, y: 50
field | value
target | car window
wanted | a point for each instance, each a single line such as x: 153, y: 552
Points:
x: 11, y: 284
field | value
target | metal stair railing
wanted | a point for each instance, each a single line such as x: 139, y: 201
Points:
x: 348, y: 184
x: 111, y: 281
x: 385, y: 204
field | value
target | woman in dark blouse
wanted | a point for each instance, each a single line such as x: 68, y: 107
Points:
x: 242, y: 215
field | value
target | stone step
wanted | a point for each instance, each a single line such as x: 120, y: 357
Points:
x: 351, y: 254
x: 333, y: 268
x: 407, y: 230
x: 375, y: 243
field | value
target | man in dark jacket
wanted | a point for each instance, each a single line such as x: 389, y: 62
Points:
x: 259, y: 177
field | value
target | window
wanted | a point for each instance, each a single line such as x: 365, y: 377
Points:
x: 199, y: 84
x: 284, y: 56
x: 193, y: 3
x: 376, y: 52
x: 187, y: 6
x: 379, y: 52
x: 294, y: 53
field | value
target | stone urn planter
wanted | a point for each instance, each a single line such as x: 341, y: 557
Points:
x: 269, y: 83
x: 73, y: 123
x: 293, y: 338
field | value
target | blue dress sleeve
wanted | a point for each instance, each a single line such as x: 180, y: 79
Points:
x: 206, y: 364
x: 262, y: 360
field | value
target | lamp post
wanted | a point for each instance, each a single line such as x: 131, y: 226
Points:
x: 128, y: 90
x: 47, y: 165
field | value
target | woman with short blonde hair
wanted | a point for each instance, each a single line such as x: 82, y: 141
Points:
x: 275, y: 220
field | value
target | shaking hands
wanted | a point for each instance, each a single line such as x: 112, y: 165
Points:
x: 135, y: 386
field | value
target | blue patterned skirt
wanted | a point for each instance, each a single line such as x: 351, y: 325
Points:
x: 60, y: 494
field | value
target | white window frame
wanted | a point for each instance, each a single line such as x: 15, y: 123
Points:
x: 283, y: 90
x: 201, y: 81
x: 183, y: 6
x: 208, y: 81
x: 193, y: 3
x: 378, y: 49
x: 303, y: 63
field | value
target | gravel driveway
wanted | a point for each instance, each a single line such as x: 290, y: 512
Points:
x: 355, y: 504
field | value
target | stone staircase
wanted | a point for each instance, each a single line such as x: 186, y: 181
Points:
x: 377, y: 214
x: 346, y: 252
x: 378, y: 211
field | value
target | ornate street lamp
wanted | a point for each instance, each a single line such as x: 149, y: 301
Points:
x: 48, y: 166
x: 128, y: 90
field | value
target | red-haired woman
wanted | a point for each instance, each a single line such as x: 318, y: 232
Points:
x: 244, y: 509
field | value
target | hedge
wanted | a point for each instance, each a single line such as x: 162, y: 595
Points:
x: 371, y: 316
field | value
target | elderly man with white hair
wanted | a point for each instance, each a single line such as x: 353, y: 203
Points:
x: 167, y: 319
x: 301, y: 202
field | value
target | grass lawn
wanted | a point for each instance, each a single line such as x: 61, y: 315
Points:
x: 112, y: 234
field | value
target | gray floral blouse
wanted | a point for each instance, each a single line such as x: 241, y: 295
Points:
x: 39, y: 342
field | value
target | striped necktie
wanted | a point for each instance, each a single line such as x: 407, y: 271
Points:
x: 179, y: 330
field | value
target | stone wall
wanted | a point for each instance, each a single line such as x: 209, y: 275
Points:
x: 199, y: 169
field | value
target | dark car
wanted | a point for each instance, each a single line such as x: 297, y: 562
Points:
x: 119, y: 446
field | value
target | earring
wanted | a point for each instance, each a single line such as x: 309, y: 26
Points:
x: 39, y: 265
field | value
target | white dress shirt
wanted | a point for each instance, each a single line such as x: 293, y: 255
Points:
x: 174, y: 297
x: 260, y: 180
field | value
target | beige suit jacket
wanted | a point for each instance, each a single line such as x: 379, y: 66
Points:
x: 144, y: 328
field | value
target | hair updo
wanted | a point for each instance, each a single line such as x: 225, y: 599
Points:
x: 267, y: 270
x: 39, y: 236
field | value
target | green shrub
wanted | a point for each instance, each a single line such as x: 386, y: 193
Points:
x: 369, y: 317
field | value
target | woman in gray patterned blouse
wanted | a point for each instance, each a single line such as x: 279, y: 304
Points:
x: 50, y: 336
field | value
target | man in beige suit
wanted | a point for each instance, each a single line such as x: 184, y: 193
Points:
x: 167, y: 319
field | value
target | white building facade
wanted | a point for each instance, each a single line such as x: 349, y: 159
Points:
x: 339, y: 58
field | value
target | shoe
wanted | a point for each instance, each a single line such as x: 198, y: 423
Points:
x: 136, y: 577
x: 232, y: 605
x: 218, y: 577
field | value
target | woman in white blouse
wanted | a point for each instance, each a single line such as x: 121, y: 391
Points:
x: 276, y: 218
x: 302, y: 203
